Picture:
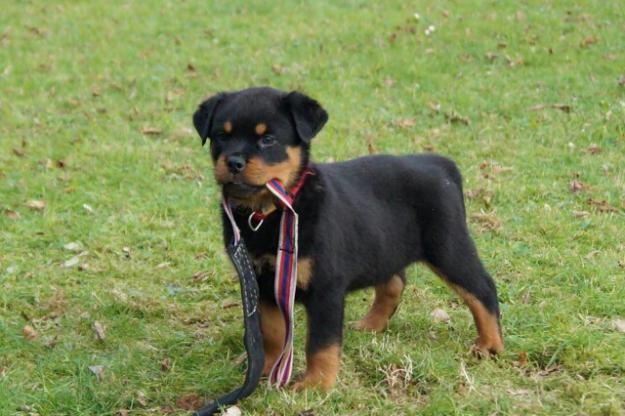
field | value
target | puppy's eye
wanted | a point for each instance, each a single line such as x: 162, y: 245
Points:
x: 267, y: 140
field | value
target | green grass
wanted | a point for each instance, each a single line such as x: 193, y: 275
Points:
x: 80, y: 80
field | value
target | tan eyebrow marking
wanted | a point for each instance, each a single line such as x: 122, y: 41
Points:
x: 260, y: 128
x: 228, y: 127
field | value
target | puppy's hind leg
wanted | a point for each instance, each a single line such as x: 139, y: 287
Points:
x: 387, y: 298
x: 458, y: 264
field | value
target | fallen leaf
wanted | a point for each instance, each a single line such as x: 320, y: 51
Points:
x: 240, y: 359
x: 491, y: 56
x: 199, y: 276
x: 141, y: 399
x: 163, y: 265
x: 87, y: 208
x: 73, y: 246
x: 122, y: 412
x: 166, y: 364
x: 619, y: 325
x: 190, y: 67
x: 522, y: 361
x: 227, y: 304
x: 621, y: 81
x: 19, y: 152
x: 580, y: 214
x: 14, y: 215
x: 501, y: 169
x: 307, y: 412
x: 562, y: 107
x: 232, y: 411
x: 593, y: 149
x: 98, y: 371
x: 405, y: 123
x: 434, y: 107
x: 487, y: 221
x: 454, y: 117
x: 36, y: 204
x: 151, y: 130
x: 29, y: 332
x: 189, y: 402
x: 277, y: 69
x: 577, y: 186
x: 71, y: 262
x: 371, y: 148
x: 439, y: 315
x: 601, y: 205
x: 590, y: 40
x: 168, y: 410
x: 99, y: 331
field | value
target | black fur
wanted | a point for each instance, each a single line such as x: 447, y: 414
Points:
x: 361, y: 221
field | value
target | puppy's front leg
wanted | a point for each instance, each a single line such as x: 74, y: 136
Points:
x: 325, y: 334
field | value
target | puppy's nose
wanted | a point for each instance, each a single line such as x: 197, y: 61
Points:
x: 235, y: 163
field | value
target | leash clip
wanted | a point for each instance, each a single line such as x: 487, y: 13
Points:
x: 249, y: 222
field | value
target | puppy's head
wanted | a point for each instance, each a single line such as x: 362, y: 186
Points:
x: 256, y: 135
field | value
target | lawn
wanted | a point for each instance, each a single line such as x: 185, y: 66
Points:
x: 116, y: 295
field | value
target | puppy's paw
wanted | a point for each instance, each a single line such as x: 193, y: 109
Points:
x: 314, y: 381
x: 367, y: 324
x: 486, y: 348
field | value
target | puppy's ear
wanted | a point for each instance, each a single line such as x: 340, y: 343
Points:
x: 308, y: 115
x: 203, y: 117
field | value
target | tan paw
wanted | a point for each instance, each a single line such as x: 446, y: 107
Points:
x: 317, y: 382
x: 371, y: 325
x: 485, y: 348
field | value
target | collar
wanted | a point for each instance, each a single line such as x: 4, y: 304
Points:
x: 256, y: 218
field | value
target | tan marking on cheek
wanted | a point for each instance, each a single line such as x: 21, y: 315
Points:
x: 228, y: 127
x: 272, y: 327
x: 221, y: 172
x: 304, y: 272
x: 258, y: 172
x: 322, y: 368
x: 260, y: 128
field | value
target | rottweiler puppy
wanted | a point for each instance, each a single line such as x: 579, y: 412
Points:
x: 361, y: 223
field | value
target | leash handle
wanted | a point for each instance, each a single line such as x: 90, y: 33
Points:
x: 251, y: 317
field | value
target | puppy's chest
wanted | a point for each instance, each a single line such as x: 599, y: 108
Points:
x: 265, y: 267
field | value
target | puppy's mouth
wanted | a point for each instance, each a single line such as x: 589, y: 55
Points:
x: 237, y: 189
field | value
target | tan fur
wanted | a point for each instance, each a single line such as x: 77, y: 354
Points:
x: 489, y: 338
x: 260, y: 129
x: 228, y: 127
x: 257, y: 172
x: 263, y: 261
x: 387, y: 297
x: 304, y: 268
x: 272, y: 327
x: 304, y: 272
x: 321, y: 369
x: 489, y: 333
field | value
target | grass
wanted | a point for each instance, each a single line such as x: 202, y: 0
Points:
x: 82, y: 86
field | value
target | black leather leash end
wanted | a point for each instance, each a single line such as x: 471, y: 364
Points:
x: 252, y: 338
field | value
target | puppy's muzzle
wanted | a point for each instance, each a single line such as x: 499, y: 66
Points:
x: 236, y: 163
